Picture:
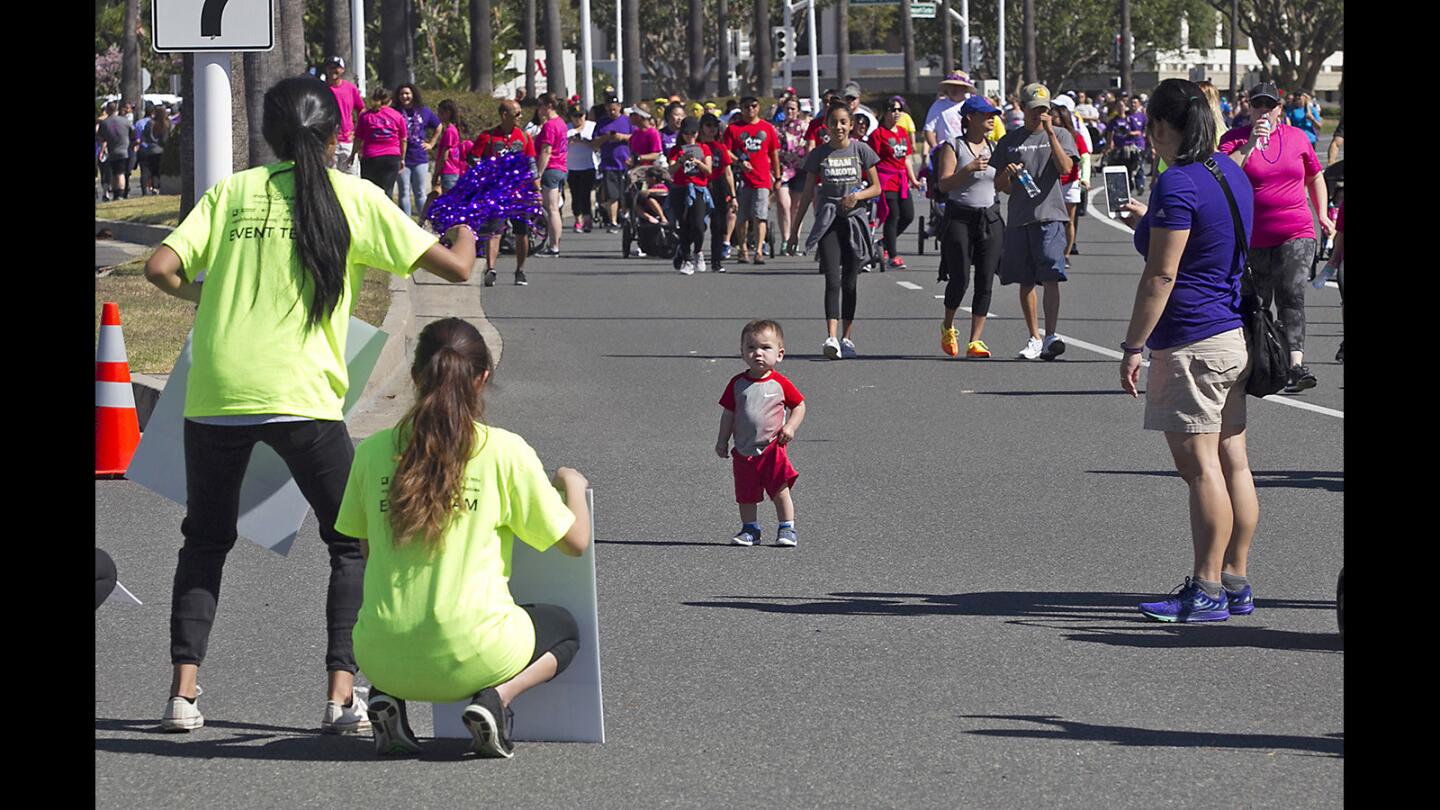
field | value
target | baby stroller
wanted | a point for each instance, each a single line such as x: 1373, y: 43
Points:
x: 637, y: 228
x: 874, y: 225
x: 1335, y: 193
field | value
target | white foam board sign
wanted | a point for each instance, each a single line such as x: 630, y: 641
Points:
x: 570, y: 707
x: 122, y: 596
x: 271, y: 505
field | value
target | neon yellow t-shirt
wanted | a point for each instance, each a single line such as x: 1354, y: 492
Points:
x: 252, y: 353
x: 904, y: 120
x: 441, y: 626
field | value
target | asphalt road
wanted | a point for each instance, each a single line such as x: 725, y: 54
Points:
x: 956, y: 627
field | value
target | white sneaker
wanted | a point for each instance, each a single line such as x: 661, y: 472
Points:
x: 1032, y: 349
x: 831, y: 348
x: 182, y: 715
x: 636, y: 251
x: 340, y: 719
x: 687, y: 267
x: 700, y: 263
x: 847, y: 349
x: 1052, y: 347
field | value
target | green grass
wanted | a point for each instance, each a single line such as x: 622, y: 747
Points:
x: 162, y: 209
x: 155, y: 324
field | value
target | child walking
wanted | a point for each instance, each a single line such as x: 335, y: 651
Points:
x: 754, y: 406
x: 436, y: 502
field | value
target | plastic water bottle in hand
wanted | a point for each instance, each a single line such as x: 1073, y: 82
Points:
x: 1031, y: 189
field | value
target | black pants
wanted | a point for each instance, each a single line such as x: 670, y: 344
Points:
x: 382, y: 171
x: 582, y: 187
x: 150, y: 171
x: 318, y: 455
x: 902, y: 213
x: 720, y: 192
x: 691, y: 220
x: 969, y: 239
x: 841, y: 266
x: 105, y: 577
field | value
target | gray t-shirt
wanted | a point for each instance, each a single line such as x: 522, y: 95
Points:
x: 759, y: 407
x: 979, y: 190
x: 115, y: 131
x: 841, y: 171
x: 1033, y: 150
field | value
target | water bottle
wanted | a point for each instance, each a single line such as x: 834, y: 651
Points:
x: 1028, y: 183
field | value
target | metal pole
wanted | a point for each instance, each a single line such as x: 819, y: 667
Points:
x: 1000, y: 52
x: 587, y: 97
x: 1234, y: 39
x: 357, y: 44
x: 214, y: 147
x: 965, y: 56
x: 814, y: 58
x: 789, y: 35
x: 620, y: 51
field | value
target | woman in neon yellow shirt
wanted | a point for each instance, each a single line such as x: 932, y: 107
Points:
x: 438, y: 501
x: 284, y: 248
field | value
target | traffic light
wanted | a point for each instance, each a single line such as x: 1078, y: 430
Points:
x: 976, y: 46
x: 784, y: 40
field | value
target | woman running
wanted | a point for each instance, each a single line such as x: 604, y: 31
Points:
x: 892, y: 142
x: 437, y: 502
x: 973, y: 230
x: 792, y: 163
x: 691, y: 164
x: 269, y: 362
x: 380, y: 137
x: 844, y: 176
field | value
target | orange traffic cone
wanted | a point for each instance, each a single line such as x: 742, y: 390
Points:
x: 117, y: 425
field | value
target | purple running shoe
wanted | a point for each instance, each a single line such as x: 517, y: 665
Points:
x: 1242, y: 602
x: 1190, y: 604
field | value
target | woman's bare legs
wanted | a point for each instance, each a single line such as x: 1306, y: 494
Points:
x: 1212, y: 518
x: 183, y: 683
x: 537, y: 673
x: 1235, y: 465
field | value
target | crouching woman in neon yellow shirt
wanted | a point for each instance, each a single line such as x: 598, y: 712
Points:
x: 284, y: 247
x: 438, y: 501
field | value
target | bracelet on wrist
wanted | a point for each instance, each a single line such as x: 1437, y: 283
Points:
x: 1128, y: 349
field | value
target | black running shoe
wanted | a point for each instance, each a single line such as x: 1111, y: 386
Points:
x: 489, y: 278
x: 520, y: 280
x: 391, y: 726
x: 679, y: 257
x: 1340, y: 355
x: 1300, y: 379
x: 489, y: 723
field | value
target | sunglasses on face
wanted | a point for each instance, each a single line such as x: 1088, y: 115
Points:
x: 1263, y: 104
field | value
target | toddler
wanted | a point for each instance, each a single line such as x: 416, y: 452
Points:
x: 754, y: 413
x: 655, y: 190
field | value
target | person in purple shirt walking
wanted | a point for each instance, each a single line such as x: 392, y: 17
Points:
x: 1187, y: 312
x: 612, y: 138
x: 1131, y: 147
x: 415, y: 172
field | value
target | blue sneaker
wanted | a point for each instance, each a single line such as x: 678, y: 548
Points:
x: 1190, y: 604
x: 746, y: 537
x: 1242, y: 603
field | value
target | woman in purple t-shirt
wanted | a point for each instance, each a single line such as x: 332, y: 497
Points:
x: 415, y: 171
x: 1187, y: 311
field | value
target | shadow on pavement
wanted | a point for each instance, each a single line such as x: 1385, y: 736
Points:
x: 223, y: 740
x: 1055, y: 728
x: 1294, y: 479
x: 1233, y: 633
x: 716, y: 544
x: 1105, y: 392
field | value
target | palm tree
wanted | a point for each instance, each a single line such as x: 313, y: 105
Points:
x: 907, y: 40
x: 337, y: 29
x: 130, y: 89
x: 842, y: 43
x: 530, y: 49
x: 291, y: 25
x: 554, y: 54
x: 482, y: 59
x: 764, y: 69
x: 394, y: 33
x: 633, y: 84
x: 695, y: 42
x: 722, y: 66
x: 947, y: 41
x: 1031, y: 72
x: 1126, y: 57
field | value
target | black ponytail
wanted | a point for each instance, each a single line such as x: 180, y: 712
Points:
x: 300, y: 117
x: 1182, y: 105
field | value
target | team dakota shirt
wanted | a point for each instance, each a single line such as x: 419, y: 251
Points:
x: 759, y: 407
x: 756, y: 140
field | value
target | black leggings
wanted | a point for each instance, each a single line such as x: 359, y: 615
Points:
x: 582, y: 186
x: 902, y: 213
x: 962, y: 245
x: 720, y: 193
x: 692, y: 225
x: 841, y: 266
x: 318, y: 454
x: 382, y: 171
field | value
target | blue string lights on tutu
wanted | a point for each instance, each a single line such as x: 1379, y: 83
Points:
x: 491, y: 192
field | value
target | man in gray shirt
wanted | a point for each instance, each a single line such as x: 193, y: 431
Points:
x: 115, y: 132
x: 1034, y: 247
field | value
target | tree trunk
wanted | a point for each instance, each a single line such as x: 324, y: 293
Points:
x: 842, y: 43
x: 1127, y: 58
x: 259, y: 74
x: 947, y: 39
x: 290, y: 20
x: 187, y: 134
x: 337, y: 30
x: 482, y: 59
x: 554, y: 52
x: 695, y: 43
x: 394, y: 64
x: 722, y: 21
x: 1031, y: 72
x: 239, y: 118
x: 529, y: 28
x: 633, y: 78
x: 907, y: 40
x: 130, y: 89
x: 763, y: 59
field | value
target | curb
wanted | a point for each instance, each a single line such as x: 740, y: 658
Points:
x: 135, y: 232
x: 395, y: 357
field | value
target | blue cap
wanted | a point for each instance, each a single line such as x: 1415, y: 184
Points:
x: 977, y: 104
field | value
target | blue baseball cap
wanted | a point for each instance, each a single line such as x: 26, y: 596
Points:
x: 977, y: 104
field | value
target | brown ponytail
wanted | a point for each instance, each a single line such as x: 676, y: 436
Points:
x: 436, y: 439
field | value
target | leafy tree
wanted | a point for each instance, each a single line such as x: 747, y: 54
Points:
x: 1299, y: 34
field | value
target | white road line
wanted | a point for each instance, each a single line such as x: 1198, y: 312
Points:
x: 1275, y: 398
x: 909, y: 286
x: 1104, y: 216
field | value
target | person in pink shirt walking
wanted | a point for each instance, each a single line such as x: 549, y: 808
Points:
x: 351, y: 104
x: 380, y: 139
x: 552, y: 147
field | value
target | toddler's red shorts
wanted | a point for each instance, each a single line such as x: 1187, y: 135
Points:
x: 765, y: 474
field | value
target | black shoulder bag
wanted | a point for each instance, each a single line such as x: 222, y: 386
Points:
x: 1269, y: 350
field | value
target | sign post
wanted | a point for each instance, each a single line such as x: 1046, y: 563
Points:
x: 212, y: 30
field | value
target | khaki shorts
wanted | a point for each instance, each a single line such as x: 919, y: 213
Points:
x: 1198, y: 387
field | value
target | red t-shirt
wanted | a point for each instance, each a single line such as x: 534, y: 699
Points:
x: 756, y: 140
x: 1080, y: 149
x: 818, y: 132
x: 720, y: 157
x: 494, y: 142
x: 688, y: 174
x: 893, y: 146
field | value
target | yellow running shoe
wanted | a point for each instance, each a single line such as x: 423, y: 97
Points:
x: 950, y: 341
x: 977, y: 348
